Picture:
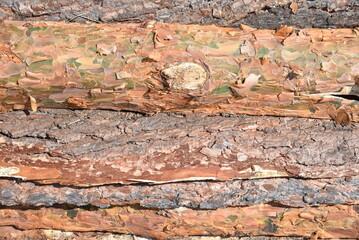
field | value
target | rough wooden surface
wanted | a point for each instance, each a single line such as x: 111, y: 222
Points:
x: 195, y: 195
x: 256, y: 13
x: 155, y: 67
x: 58, y: 146
x: 13, y: 233
x: 338, y: 221
x: 94, y: 174
x: 61, y: 171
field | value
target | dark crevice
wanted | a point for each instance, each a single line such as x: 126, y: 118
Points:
x: 59, y: 185
x: 348, y: 96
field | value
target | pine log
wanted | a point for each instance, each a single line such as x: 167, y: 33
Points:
x: 88, y: 148
x: 155, y: 67
x: 198, y: 195
x: 202, y: 168
x: 13, y: 233
x: 206, y: 175
x: 338, y: 221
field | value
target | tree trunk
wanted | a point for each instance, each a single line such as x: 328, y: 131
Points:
x: 212, y: 175
x: 156, y: 67
x: 189, y: 152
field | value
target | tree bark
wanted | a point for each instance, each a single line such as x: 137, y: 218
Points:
x: 235, y: 169
x: 162, y: 224
x: 70, y: 147
x: 156, y: 67
x: 259, y: 13
x: 179, y: 159
x: 10, y: 232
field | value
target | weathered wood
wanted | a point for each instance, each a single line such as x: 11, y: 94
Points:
x: 101, y: 147
x: 156, y: 67
x: 338, y: 221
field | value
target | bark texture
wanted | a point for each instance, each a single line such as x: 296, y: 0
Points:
x: 155, y: 67
x: 12, y: 233
x: 338, y: 221
x: 49, y: 149
x: 257, y: 13
x: 181, y: 162
x: 196, y: 195
x: 71, y: 147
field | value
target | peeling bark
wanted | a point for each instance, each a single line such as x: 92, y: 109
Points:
x: 156, y: 67
x: 12, y: 233
x: 259, y: 13
x: 200, y: 170
x: 338, y: 221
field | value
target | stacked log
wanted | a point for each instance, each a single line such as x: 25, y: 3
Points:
x: 144, y: 129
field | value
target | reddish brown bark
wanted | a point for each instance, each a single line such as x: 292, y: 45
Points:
x: 58, y: 146
x: 324, y: 222
x: 100, y: 174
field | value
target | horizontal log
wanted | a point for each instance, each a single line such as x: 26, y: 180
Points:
x: 196, y: 195
x: 260, y: 14
x: 87, y: 148
x: 155, y: 67
x: 13, y: 233
x: 338, y: 221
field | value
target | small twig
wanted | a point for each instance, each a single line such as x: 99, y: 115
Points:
x: 84, y: 17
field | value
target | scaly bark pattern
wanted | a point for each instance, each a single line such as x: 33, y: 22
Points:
x: 86, y: 148
x: 338, y: 221
x: 155, y: 67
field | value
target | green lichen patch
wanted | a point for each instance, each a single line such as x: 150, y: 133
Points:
x: 263, y: 51
x: 41, y: 67
x: 16, y: 30
x: 213, y: 45
x: 91, y: 79
x: 12, y: 79
x: 232, y: 218
x: 74, y: 62
x: 32, y: 29
x: 130, y: 84
x: 221, y: 90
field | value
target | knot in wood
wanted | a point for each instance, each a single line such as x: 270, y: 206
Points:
x: 185, y: 76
